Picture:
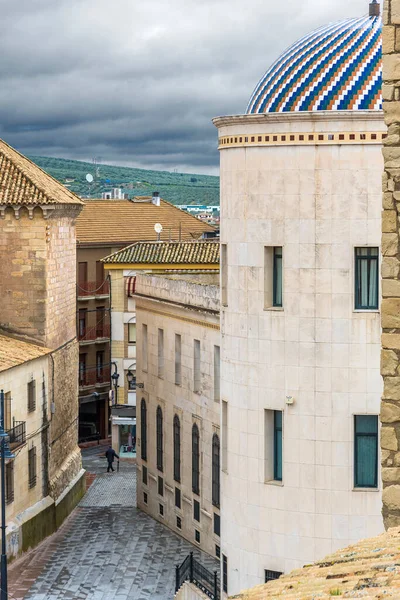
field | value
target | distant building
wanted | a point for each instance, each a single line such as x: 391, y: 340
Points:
x: 115, y: 194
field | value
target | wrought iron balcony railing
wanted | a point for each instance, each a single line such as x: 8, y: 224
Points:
x: 17, y: 434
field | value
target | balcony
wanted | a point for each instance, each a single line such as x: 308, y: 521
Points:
x: 88, y: 290
x: 95, y: 377
x: 17, y: 434
x: 98, y: 334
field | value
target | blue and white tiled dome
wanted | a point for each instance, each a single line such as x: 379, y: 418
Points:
x: 337, y: 67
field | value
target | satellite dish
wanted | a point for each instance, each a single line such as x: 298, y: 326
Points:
x: 89, y: 178
x: 158, y: 228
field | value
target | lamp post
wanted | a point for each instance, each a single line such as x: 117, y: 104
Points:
x: 131, y: 378
x: 5, y: 453
x: 115, y: 377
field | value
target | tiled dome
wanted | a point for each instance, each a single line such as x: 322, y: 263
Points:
x: 337, y: 67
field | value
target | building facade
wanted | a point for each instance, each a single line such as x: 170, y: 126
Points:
x: 300, y: 295
x: 178, y: 430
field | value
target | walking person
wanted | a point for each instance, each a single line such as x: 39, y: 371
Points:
x: 110, y: 455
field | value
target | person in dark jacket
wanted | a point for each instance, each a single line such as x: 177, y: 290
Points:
x: 110, y: 455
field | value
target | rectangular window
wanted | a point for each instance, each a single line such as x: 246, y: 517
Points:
x: 366, y: 451
x: 277, y: 282
x: 196, y: 366
x: 224, y: 275
x: 197, y: 536
x: 273, y: 445
x: 217, y: 551
x: 82, y: 323
x: 100, y: 366
x: 82, y: 369
x: 224, y: 435
x: 32, y: 467
x: 161, y: 509
x: 217, y: 373
x: 99, y: 274
x: 10, y: 482
x: 225, y: 573
x: 7, y: 411
x: 178, y: 359
x: 131, y: 333
x: 179, y: 522
x: 100, y: 318
x: 144, y: 347
x: 144, y: 475
x: 161, y: 353
x: 366, y: 278
x: 273, y: 277
x: 196, y: 510
x: 82, y: 273
x: 160, y: 486
x: 278, y: 445
x: 178, y: 503
x: 271, y: 575
x: 31, y: 395
x: 145, y: 497
x: 217, y: 525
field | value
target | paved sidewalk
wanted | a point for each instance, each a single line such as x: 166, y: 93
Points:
x: 107, y: 549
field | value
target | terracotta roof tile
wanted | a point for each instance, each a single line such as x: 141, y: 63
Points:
x: 194, y: 252
x: 127, y: 221
x: 24, y: 183
x: 15, y: 352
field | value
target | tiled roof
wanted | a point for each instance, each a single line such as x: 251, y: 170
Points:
x: 15, y: 352
x: 195, y: 252
x: 24, y: 183
x: 127, y: 221
x: 368, y: 569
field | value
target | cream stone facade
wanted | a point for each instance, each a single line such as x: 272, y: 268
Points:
x: 178, y: 378
x: 308, y: 183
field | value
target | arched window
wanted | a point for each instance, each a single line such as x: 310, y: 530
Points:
x: 195, y: 459
x: 177, y: 449
x: 159, y: 435
x: 215, y: 469
x: 143, y: 429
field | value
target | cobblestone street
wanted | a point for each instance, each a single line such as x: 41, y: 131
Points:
x: 106, y: 550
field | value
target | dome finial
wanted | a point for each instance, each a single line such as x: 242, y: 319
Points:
x: 374, y: 9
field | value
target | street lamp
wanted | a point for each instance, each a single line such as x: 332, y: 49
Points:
x: 131, y: 378
x: 5, y: 453
x: 115, y: 377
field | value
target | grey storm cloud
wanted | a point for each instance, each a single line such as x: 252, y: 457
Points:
x: 138, y: 83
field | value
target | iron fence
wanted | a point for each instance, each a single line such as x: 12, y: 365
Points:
x: 192, y: 570
x: 17, y: 434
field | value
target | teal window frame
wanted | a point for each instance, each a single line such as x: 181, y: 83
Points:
x: 277, y: 284
x: 278, y: 421
x: 366, y: 267
x: 365, y: 441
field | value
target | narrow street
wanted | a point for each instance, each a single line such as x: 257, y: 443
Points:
x: 106, y: 549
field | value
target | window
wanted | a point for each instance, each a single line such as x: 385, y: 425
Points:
x: 178, y: 359
x: 100, y: 366
x: 225, y: 573
x: 277, y: 283
x: 197, y: 536
x: 10, y: 482
x: 143, y: 429
x: 82, y: 369
x: 366, y: 278
x: 32, y: 467
x: 224, y: 435
x: 196, y: 366
x: 131, y: 333
x: 217, y: 360
x: 144, y: 347
x: 271, y: 575
x: 82, y: 274
x: 177, y: 449
x: 178, y: 498
x: 99, y: 276
x: 215, y: 470
x: 31, y: 395
x: 144, y: 475
x: 196, y: 510
x: 195, y: 460
x: 366, y: 451
x: 161, y: 509
x: 82, y: 323
x: 7, y: 411
x: 161, y: 353
x: 278, y: 445
x: 217, y: 525
x: 100, y: 317
x: 224, y: 275
x: 159, y: 435
x: 160, y: 486
x: 217, y: 551
x: 145, y: 497
x: 179, y: 522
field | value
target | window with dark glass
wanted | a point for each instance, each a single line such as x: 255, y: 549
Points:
x: 215, y: 470
x: 271, y: 575
x: 82, y: 369
x: 144, y: 475
x: 100, y: 366
x: 278, y: 445
x: 196, y: 510
x: 31, y: 395
x: 366, y: 451
x: 143, y: 430
x: 277, y: 277
x: 159, y: 436
x: 366, y: 278
x: 160, y: 486
x: 82, y: 323
x: 195, y: 459
x: 145, y: 497
x: 197, y: 536
x: 217, y: 525
x: 32, y: 467
x: 217, y: 551
x: 179, y: 522
x: 225, y: 573
x: 161, y: 509
x: 177, y: 449
x: 100, y: 321
x: 178, y: 498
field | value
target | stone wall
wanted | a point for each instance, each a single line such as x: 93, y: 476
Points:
x: 390, y: 357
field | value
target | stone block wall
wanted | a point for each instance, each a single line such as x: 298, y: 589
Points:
x: 390, y: 356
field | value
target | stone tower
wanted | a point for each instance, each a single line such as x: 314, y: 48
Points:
x: 37, y: 291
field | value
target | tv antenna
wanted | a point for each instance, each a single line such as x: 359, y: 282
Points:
x: 158, y: 229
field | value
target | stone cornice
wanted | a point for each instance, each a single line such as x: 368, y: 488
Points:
x: 294, y: 117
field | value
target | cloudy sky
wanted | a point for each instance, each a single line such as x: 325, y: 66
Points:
x: 137, y: 83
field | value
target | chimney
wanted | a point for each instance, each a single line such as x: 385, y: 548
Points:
x: 374, y: 9
x: 156, y: 199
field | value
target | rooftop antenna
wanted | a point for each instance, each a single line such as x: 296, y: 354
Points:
x: 374, y: 9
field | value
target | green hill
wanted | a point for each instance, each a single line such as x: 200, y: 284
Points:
x: 178, y: 188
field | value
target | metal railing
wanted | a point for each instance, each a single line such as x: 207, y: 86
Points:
x: 94, y: 375
x: 94, y: 333
x: 93, y: 288
x: 17, y: 434
x: 193, y: 571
